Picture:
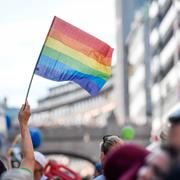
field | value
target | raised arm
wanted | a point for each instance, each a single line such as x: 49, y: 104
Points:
x: 27, y: 147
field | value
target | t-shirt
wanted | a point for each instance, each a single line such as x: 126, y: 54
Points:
x: 26, y: 171
x: 17, y: 174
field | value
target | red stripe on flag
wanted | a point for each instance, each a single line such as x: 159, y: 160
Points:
x: 83, y: 37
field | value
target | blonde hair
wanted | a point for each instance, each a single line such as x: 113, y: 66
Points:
x: 109, y: 141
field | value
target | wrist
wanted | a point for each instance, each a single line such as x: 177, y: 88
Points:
x: 23, y: 124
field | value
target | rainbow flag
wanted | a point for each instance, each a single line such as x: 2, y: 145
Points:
x: 70, y: 54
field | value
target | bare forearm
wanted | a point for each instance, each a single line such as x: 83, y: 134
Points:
x: 27, y: 148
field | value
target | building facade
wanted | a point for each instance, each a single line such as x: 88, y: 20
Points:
x: 2, y: 118
x: 164, y: 18
x: 125, y: 11
x: 154, y: 76
x: 137, y: 53
x: 70, y: 105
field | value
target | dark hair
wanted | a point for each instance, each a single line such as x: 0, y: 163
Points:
x: 2, y: 168
x: 175, y: 118
x: 109, y: 141
x: 174, y: 173
x: 171, y: 151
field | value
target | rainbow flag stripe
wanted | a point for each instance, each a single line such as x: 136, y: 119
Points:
x: 70, y: 54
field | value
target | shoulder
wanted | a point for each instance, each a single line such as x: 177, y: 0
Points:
x: 17, y: 174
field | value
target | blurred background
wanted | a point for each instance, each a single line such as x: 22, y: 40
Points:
x: 143, y: 91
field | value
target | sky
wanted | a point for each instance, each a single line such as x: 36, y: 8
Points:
x: 23, y: 27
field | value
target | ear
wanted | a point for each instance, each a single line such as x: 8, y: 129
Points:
x: 102, y: 157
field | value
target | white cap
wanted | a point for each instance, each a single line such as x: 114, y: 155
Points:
x: 40, y: 158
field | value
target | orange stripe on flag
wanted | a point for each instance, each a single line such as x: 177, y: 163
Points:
x: 55, y: 34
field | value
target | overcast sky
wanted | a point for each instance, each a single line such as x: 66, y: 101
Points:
x: 23, y: 28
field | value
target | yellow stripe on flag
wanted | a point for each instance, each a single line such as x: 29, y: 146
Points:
x: 60, y: 47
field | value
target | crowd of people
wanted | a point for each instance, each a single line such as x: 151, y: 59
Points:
x: 125, y: 161
x: 119, y: 160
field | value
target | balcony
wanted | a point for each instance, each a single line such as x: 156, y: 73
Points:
x: 167, y: 22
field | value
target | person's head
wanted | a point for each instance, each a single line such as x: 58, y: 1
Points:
x: 124, y: 162
x: 17, y: 174
x: 174, y: 131
x: 107, y: 144
x: 40, y: 162
x: 157, y: 164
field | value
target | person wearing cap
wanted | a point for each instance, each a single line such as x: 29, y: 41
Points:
x: 40, y: 162
x: 25, y: 172
x: 123, y: 162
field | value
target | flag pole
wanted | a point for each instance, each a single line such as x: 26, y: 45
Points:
x: 30, y: 83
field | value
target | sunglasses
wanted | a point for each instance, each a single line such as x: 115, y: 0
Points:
x: 108, y: 137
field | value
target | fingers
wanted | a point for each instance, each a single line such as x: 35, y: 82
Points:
x: 25, y: 106
x: 26, y: 103
x: 24, y: 113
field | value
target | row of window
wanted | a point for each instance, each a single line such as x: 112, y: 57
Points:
x: 69, y: 115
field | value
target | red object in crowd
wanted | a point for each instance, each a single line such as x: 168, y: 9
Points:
x: 52, y: 169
